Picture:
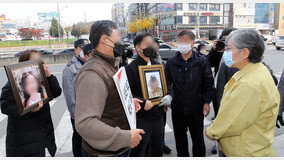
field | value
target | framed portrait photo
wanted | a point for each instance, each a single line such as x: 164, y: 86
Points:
x: 29, y: 85
x: 153, y: 82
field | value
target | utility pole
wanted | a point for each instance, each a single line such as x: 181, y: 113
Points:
x: 85, y: 18
x: 198, y: 20
x: 58, y: 24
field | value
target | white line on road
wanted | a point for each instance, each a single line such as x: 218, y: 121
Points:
x: 168, y: 128
x: 2, y: 116
x: 63, y: 134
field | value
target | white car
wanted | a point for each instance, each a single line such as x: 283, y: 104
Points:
x: 275, y: 40
x: 269, y: 39
x: 280, y: 43
x: 207, y: 44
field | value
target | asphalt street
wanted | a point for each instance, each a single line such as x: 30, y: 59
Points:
x: 63, y: 128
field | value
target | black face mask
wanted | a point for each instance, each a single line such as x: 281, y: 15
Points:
x: 118, y: 49
x: 149, y: 52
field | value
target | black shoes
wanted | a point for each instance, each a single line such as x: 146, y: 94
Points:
x: 214, y: 150
x: 166, y: 149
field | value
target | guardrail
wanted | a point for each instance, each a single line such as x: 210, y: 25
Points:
x: 49, y: 59
x: 10, y: 53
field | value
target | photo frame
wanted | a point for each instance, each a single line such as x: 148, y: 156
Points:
x: 29, y: 84
x: 153, y: 82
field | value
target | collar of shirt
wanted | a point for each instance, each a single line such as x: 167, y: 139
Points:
x: 248, y: 68
x: 80, y: 60
x: 186, y: 63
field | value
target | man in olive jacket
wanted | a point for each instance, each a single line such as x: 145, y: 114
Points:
x: 99, y: 117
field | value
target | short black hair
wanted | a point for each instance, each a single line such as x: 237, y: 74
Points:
x: 226, y: 32
x: 139, y: 38
x: 99, y: 28
x: 190, y: 34
x: 200, y: 46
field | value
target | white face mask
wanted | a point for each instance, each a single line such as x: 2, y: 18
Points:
x: 184, y: 48
x: 203, y: 52
x: 82, y: 54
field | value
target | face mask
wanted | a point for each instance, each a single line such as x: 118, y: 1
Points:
x: 184, y: 48
x: 149, y: 52
x: 118, y: 49
x: 82, y: 54
x: 228, y: 58
x: 203, y: 52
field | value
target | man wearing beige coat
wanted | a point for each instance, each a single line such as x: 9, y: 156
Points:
x: 100, y: 117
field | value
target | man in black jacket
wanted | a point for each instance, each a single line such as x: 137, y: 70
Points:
x: 149, y: 117
x: 191, y: 79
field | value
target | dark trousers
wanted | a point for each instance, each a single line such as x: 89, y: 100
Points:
x: 124, y: 154
x: 194, y: 123
x: 165, y: 122
x: 152, y: 141
x: 76, y: 141
x: 214, y: 102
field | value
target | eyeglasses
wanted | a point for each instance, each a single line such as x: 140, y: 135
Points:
x: 228, y: 48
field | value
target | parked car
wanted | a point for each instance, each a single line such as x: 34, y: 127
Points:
x: 269, y: 39
x: 280, y: 43
x: 66, y: 51
x: 207, y: 44
x: 43, y: 51
x: 166, y: 52
x: 275, y: 40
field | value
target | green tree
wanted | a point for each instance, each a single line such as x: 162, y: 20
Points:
x: 76, y: 32
x: 53, y: 30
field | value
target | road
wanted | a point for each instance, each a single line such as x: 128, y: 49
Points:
x: 63, y: 128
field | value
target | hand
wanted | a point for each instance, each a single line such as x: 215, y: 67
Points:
x: 208, y: 136
x: 46, y: 69
x: 136, y: 137
x: 148, y: 105
x: 206, y: 108
x: 166, y: 108
x: 279, y: 119
x: 214, y: 44
x: 166, y: 100
x: 137, y: 104
x: 40, y: 105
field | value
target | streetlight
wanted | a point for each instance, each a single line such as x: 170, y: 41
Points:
x: 60, y: 42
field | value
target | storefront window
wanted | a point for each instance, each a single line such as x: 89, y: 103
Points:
x: 179, y: 19
x: 203, y: 6
x: 214, y: 7
x: 167, y: 21
x: 203, y: 20
x: 192, y: 19
x: 178, y: 6
x: 192, y: 6
x: 214, y: 20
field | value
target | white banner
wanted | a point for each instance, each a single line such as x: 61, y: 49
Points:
x: 123, y: 88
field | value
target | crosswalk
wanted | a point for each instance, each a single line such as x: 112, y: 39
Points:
x: 63, y: 132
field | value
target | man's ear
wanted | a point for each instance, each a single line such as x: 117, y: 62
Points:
x: 103, y: 39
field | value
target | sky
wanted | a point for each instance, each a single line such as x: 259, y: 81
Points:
x: 74, y: 12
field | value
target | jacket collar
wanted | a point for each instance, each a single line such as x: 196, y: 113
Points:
x: 76, y: 62
x: 195, y: 59
x: 248, y: 68
x: 141, y: 61
x: 114, y: 62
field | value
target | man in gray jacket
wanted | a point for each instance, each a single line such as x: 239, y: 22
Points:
x: 281, y: 107
x: 68, y: 77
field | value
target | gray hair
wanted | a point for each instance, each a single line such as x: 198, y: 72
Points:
x: 250, y: 39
